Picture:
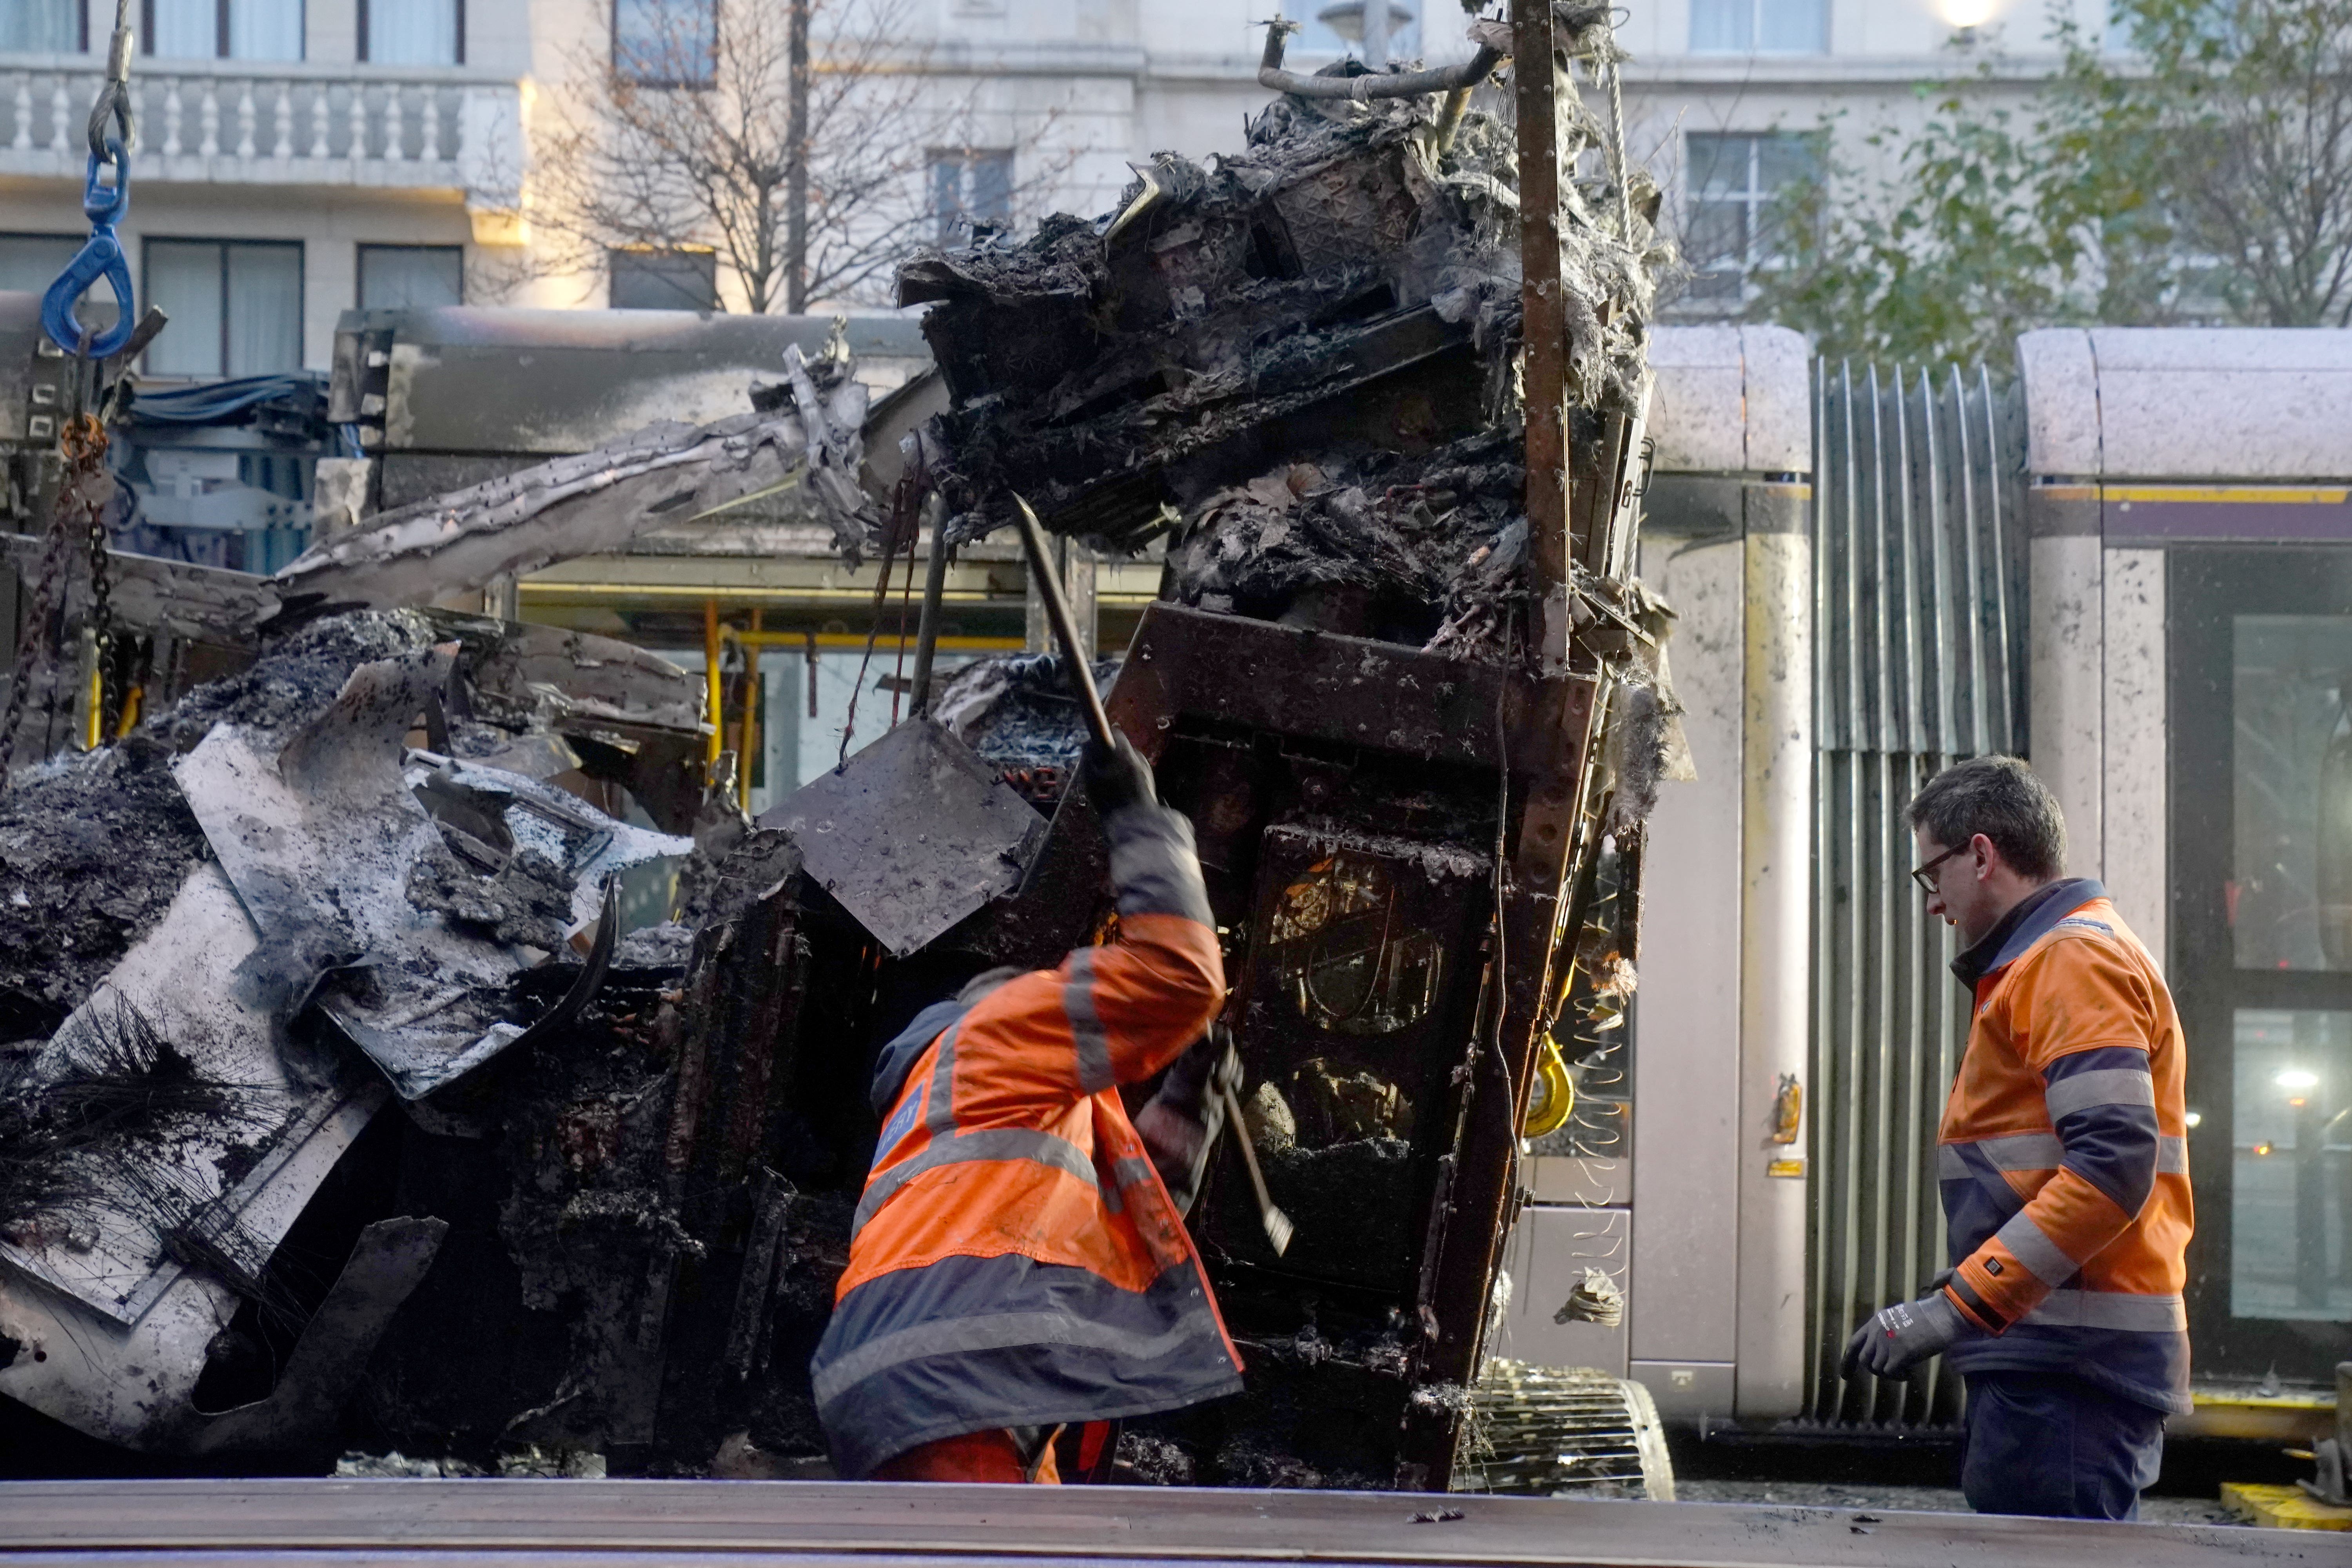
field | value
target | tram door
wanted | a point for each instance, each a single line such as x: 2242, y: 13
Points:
x: 2261, y: 791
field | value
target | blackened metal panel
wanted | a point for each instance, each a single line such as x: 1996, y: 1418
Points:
x: 911, y: 835
x: 1345, y: 690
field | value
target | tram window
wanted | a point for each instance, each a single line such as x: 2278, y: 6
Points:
x: 2290, y: 897
x: 2291, y: 1196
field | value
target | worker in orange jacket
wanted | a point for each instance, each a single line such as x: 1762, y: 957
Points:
x: 2063, y: 1166
x: 1019, y: 1263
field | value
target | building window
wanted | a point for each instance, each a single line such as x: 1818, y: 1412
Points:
x: 1734, y: 184
x: 413, y: 32
x: 29, y: 263
x: 236, y: 307
x: 42, y: 27
x: 1318, y: 37
x: 650, y: 280
x: 223, y: 29
x: 971, y: 188
x: 407, y: 277
x: 666, y: 43
x: 1759, y: 27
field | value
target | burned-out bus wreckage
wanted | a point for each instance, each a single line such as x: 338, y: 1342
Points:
x: 412, y: 1046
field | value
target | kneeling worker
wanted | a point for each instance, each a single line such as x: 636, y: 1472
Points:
x: 2063, y: 1166
x: 1017, y: 1262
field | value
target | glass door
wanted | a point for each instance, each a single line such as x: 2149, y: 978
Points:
x: 2261, y: 785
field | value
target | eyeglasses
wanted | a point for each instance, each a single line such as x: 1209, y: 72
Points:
x: 1925, y: 875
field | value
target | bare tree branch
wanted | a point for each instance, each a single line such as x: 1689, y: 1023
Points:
x: 795, y: 139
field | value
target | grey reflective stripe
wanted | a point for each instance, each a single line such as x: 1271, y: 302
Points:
x: 1949, y: 1165
x: 2035, y: 1250
x: 2172, y: 1156
x: 939, y: 1113
x: 988, y: 1144
x: 1127, y: 1172
x: 1086, y: 1024
x: 1003, y: 1330
x: 2110, y: 1309
x: 2105, y: 1086
x: 2021, y: 1151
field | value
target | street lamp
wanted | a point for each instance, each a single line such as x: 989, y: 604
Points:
x: 2296, y: 1079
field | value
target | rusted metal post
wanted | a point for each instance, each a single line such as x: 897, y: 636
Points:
x: 1547, y: 817
x: 926, y: 629
x: 1540, y: 79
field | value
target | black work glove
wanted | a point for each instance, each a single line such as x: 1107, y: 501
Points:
x: 1181, y: 1124
x: 1116, y: 775
x: 1900, y: 1337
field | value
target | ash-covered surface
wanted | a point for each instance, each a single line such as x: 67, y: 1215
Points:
x: 1318, y: 1408
x: 295, y: 678
x: 93, y: 849
x: 1088, y: 370
x: 527, y: 901
x: 1424, y: 550
x: 67, y: 1139
x: 1018, y: 712
x: 1302, y: 357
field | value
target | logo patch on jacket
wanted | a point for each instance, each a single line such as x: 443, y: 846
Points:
x: 1992, y: 1264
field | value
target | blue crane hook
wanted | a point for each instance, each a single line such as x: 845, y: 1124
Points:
x: 100, y: 258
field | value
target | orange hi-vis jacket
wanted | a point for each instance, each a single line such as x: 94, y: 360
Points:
x: 1015, y: 1260
x: 2063, y: 1158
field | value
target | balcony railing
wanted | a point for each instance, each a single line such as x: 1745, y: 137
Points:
x: 205, y: 122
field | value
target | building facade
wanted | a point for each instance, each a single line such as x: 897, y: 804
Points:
x: 299, y: 158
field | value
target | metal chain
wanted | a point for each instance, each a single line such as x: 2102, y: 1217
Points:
x: 33, y: 637
x: 85, y: 448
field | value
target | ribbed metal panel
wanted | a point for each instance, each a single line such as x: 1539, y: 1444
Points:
x: 1920, y: 643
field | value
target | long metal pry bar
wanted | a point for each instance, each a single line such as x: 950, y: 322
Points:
x: 1278, y: 1228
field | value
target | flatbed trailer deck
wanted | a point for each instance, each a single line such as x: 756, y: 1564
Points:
x: 716, y: 1524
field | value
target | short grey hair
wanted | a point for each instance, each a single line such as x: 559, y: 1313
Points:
x: 2001, y: 798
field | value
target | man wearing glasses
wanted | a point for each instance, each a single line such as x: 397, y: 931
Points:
x: 2063, y: 1162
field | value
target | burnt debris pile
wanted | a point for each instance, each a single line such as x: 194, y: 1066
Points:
x: 1299, y: 372
x: 336, y: 1099
x: 1297, y: 363
x: 359, y: 869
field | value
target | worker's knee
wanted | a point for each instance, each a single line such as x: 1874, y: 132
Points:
x: 2047, y: 1444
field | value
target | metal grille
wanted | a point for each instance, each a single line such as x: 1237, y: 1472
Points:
x: 1920, y: 661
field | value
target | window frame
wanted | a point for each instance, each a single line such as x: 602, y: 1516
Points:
x: 366, y: 6
x: 661, y: 84
x: 360, y: 260
x: 708, y: 254
x: 220, y: 30
x: 1756, y: 32
x: 221, y: 247
x: 967, y: 162
x: 1755, y: 200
